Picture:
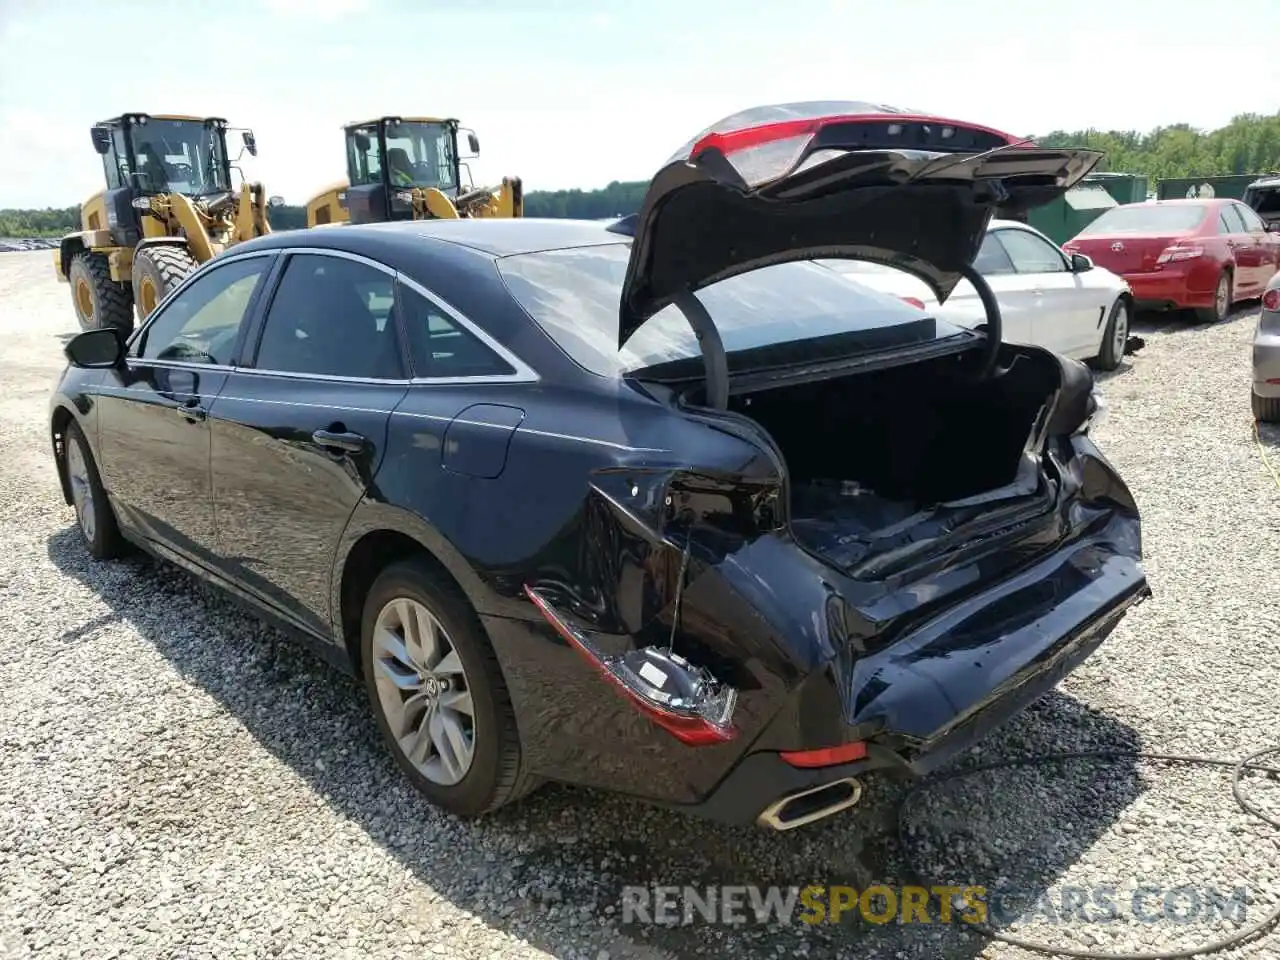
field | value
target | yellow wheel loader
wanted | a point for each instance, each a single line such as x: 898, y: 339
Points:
x: 168, y: 206
x: 410, y: 168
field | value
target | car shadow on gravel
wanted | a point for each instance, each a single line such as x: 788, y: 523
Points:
x: 1185, y: 321
x: 552, y: 869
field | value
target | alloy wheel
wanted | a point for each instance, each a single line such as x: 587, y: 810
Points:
x: 423, y: 691
x: 1121, y: 333
x: 81, y: 490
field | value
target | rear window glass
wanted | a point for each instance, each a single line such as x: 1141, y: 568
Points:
x: 574, y: 294
x: 1263, y: 199
x: 1148, y: 218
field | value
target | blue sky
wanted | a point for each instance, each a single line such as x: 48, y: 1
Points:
x: 571, y: 93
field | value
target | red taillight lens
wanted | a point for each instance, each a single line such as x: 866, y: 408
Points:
x: 1271, y: 299
x: 826, y: 756
x: 918, y: 304
x: 762, y: 152
x: 1178, y: 252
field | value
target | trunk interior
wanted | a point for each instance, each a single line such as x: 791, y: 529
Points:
x: 892, y: 462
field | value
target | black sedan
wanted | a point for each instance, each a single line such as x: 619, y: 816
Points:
x: 660, y: 506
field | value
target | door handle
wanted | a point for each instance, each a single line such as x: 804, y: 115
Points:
x: 346, y: 442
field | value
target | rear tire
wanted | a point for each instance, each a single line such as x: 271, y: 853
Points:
x: 1221, y: 308
x: 100, y: 302
x: 156, y: 271
x: 488, y: 771
x: 1266, y: 409
x: 1115, y: 336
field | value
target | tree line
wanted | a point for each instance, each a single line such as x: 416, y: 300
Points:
x: 1250, y: 143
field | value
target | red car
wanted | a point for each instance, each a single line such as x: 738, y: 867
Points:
x: 1203, y: 255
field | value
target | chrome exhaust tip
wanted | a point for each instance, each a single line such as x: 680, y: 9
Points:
x: 810, y: 805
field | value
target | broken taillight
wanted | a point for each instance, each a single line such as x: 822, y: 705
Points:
x: 1271, y: 300
x: 682, y: 698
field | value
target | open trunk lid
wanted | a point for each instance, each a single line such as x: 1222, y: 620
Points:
x: 830, y: 180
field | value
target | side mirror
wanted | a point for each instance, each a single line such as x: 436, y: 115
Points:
x: 96, y: 349
x: 1080, y: 263
x: 101, y: 139
x: 250, y: 143
x: 276, y: 201
x: 362, y: 143
x: 473, y: 142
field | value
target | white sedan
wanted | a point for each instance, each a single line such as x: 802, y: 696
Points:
x: 1046, y: 297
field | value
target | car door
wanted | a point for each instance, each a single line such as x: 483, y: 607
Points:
x: 1064, y: 315
x: 154, y: 431
x: 1262, y: 250
x: 1017, y: 302
x: 299, y: 430
x: 1244, y: 248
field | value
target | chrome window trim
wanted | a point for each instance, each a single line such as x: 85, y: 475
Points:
x: 523, y: 372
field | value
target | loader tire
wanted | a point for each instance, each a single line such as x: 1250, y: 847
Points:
x: 156, y: 271
x: 100, y: 302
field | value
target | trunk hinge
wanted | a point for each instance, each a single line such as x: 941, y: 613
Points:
x: 714, y: 359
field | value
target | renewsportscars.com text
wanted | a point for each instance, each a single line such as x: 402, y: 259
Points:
x: 942, y: 903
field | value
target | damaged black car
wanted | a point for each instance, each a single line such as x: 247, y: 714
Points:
x: 659, y: 506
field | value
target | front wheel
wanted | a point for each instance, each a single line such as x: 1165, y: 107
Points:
x: 437, y: 693
x: 94, y: 515
x: 1221, y: 301
x: 1115, y: 336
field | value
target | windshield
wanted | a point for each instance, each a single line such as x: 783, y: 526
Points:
x: 421, y: 155
x: 1150, y: 218
x: 574, y: 295
x: 179, y: 156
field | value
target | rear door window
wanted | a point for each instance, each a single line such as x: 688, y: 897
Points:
x: 328, y: 317
x: 1229, y: 220
x: 1252, y: 222
x: 1030, y: 254
x: 992, y: 260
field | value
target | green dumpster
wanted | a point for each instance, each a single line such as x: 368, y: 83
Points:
x: 1072, y: 212
x: 1124, y: 187
x: 1205, y: 188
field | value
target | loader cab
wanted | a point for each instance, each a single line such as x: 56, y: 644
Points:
x: 145, y: 156
x: 387, y: 158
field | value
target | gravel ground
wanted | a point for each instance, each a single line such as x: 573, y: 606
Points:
x: 180, y: 781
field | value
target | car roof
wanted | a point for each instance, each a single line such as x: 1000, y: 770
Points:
x: 497, y: 237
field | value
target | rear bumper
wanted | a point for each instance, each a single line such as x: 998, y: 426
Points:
x: 930, y: 708
x: 1266, y: 365
x: 1170, y: 288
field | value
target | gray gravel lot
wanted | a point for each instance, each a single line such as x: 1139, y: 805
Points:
x: 180, y: 781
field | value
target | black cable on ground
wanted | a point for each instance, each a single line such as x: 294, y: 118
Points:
x: 1249, y: 763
